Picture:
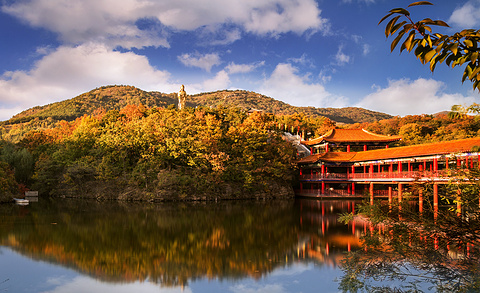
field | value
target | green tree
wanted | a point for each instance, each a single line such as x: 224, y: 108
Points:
x: 433, y: 47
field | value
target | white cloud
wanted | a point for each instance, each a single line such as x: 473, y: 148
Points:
x: 205, y: 62
x: 111, y: 22
x: 69, y: 71
x: 284, y: 84
x: 272, y: 288
x: 406, y: 97
x: 283, y: 16
x: 84, y: 284
x: 341, y: 58
x: 220, y: 81
x: 233, y: 68
x: 467, y: 15
x: 115, y: 22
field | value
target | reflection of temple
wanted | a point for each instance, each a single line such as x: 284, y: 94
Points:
x: 342, y: 164
x: 322, y: 237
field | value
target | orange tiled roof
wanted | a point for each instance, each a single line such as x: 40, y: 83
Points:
x: 438, y: 148
x: 351, y: 135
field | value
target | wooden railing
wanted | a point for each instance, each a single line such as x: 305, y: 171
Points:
x: 341, y: 192
x: 381, y: 175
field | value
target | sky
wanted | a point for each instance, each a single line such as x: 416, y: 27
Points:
x: 320, y: 53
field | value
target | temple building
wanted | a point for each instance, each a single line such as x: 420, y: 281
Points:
x: 349, y: 140
x: 363, y: 163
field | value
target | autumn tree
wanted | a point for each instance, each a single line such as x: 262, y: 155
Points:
x: 460, y: 48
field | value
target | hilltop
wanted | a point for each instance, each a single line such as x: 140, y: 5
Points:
x: 116, y: 97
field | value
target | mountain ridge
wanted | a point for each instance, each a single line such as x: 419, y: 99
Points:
x: 115, y: 97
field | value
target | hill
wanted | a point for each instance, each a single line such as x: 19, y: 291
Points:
x: 116, y: 97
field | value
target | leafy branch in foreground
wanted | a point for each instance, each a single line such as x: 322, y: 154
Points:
x: 432, y: 47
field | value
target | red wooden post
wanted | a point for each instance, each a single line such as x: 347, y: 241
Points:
x: 323, y: 187
x: 435, y: 200
x: 326, y: 147
x: 390, y: 195
x: 364, y: 147
x: 353, y: 191
x: 459, y: 202
x: 420, y: 200
x: 348, y: 148
x: 400, y: 191
x: 371, y: 193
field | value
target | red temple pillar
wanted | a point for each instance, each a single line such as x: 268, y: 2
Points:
x: 420, y: 200
x: 459, y: 202
x: 348, y: 148
x: 389, y: 194
x: 371, y: 193
x: 326, y: 147
x: 364, y: 147
x: 353, y: 190
x: 435, y: 200
x: 400, y: 192
x: 323, y: 187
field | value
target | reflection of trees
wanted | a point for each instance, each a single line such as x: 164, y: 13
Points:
x: 168, y: 244
x: 409, y: 251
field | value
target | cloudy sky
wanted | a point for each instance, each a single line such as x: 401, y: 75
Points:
x: 321, y: 53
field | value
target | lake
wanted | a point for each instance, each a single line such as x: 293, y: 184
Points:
x: 234, y: 246
x: 69, y: 245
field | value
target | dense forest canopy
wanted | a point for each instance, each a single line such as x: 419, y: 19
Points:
x: 158, y: 153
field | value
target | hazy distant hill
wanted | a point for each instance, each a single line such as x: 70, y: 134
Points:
x: 116, y: 97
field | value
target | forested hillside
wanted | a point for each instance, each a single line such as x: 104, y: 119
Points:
x: 116, y: 97
x: 141, y: 153
x: 249, y: 100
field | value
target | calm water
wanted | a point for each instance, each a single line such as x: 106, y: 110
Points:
x: 237, y: 246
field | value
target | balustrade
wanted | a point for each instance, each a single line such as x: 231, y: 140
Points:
x: 381, y: 175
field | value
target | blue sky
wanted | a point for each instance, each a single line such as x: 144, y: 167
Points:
x: 321, y: 53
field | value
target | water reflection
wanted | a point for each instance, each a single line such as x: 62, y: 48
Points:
x: 242, y: 246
